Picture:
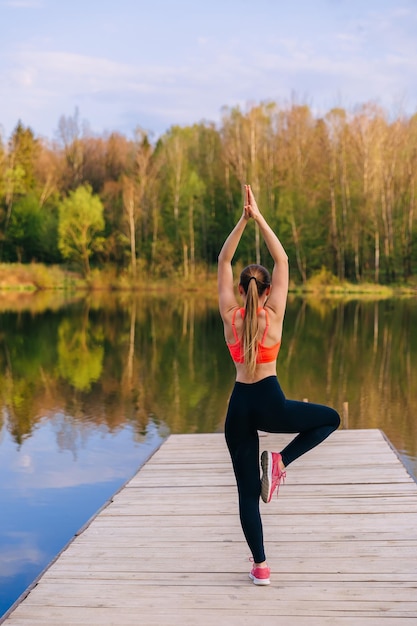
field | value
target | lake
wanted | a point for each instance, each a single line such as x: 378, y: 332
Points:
x: 91, y: 386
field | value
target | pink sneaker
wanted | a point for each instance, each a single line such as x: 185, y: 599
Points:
x: 260, y: 575
x: 271, y: 474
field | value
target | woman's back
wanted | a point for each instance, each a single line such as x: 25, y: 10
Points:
x: 268, y: 342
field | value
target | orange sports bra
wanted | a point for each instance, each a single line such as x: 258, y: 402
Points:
x: 266, y: 354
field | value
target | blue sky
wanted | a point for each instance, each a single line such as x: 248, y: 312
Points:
x: 155, y: 63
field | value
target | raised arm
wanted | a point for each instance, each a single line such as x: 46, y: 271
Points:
x: 227, y: 298
x: 277, y: 300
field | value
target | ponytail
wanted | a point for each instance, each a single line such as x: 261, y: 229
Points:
x: 251, y: 326
x: 254, y: 279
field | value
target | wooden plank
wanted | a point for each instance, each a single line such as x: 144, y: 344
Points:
x: 127, y: 617
x: 341, y: 540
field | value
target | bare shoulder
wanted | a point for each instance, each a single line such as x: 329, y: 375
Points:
x: 227, y: 318
x: 229, y: 313
x: 274, y: 312
x: 276, y: 319
x: 277, y: 303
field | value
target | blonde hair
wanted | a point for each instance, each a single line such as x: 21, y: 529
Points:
x: 254, y: 279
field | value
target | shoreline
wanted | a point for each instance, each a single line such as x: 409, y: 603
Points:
x: 35, y: 278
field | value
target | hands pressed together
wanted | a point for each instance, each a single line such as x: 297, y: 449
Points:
x: 250, y: 208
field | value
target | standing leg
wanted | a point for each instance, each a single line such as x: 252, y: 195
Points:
x: 243, y: 443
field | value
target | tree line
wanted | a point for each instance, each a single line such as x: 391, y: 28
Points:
x: 339, y: 189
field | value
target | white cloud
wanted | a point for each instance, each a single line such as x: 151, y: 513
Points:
x: 370, y: 57
x: 79, y: 73
x: 20, y: 551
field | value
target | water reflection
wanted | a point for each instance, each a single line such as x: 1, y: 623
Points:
x: 361, y: 353
x: 89, y: 386
x: 52, y: 483
x: 116, y: 360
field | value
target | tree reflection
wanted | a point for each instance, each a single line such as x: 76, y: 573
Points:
x: 80, y: 353
x: 116, y: 360
x: 359, y: 352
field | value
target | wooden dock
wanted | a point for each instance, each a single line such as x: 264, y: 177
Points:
x: 341, y: 541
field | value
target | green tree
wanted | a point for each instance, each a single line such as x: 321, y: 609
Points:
x: 24, y: 150
x: 33, y: 232
x: 80, y: 223
x: 137, y: 189
x: 193, y: 193
x: 19, y: 170
x: 25, y: 228
x: 409, y: 192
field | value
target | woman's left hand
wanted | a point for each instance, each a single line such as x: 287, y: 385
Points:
x: 246, y: 207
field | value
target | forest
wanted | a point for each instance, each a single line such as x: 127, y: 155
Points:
x: 340, y: 190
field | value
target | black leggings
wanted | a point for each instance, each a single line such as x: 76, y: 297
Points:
x: 263, y: 406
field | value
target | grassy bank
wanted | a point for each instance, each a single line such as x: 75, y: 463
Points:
x: 16, y: 277
x: 36, y: 276
x: 33, y: 277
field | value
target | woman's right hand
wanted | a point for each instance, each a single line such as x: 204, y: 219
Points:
x: 246, y: 206
x: 253, y: 209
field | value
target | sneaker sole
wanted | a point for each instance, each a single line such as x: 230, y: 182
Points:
x: 259, y: 581
x: 266, y: 464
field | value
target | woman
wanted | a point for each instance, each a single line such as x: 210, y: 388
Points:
x: 253, y: 336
